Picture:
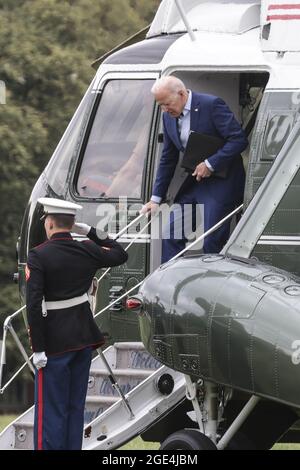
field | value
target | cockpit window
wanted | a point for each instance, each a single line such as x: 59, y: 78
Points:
x: 117, y: 146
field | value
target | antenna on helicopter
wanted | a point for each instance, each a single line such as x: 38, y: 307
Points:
x: 185, y: 20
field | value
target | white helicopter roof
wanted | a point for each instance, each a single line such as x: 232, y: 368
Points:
x: 220, y: 36
x: 216, y: 50
x: 227, y: 52
x: 279, y: 22
x: 214, y: 15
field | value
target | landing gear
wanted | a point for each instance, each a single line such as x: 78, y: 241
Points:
x: 205, y: 400
x: 209, y: 402
x: 188, y: 439
x: 224, y: 419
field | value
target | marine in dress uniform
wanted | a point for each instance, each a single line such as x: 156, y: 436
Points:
x: 62, y: 329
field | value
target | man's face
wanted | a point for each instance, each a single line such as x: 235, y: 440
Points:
x: 171, y: 102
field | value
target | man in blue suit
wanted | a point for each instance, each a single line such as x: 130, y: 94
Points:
x: 184, y: 111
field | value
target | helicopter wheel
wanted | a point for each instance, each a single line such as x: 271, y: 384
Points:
x: 187, y: 439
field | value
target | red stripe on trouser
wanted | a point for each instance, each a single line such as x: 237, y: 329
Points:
x: 40, y: 411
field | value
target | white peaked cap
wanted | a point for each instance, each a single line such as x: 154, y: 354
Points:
x: 58, y: 206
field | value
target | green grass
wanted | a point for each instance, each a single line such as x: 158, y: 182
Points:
x: 286, y: 447
x: 5, y: 420
x: 138, y: 443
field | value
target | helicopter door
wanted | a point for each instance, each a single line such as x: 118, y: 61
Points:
x: 279, y: 244
x: 111, y: 184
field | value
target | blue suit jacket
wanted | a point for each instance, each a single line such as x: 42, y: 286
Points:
x: 209, y: 115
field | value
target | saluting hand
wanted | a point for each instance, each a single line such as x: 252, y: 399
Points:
x: 201, y: 171
x: 81, y: 229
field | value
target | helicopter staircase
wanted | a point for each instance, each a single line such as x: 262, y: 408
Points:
x: 128, y: 390
x: 150, y: 391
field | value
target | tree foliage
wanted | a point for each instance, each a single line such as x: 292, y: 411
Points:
x: 46, y: 50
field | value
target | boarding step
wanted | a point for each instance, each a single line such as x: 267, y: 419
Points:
x: 100, y: 384
x: 133, y: 368
x: 134, y: 356
x: 95, y: 406
x: 150, y: 401
x: 103, y: 400
x: 143, y: 373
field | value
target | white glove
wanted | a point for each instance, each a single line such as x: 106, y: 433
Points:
x: 39, y: 359
x: 81, y: 229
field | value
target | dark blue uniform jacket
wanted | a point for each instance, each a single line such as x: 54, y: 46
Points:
x: 60, y: 269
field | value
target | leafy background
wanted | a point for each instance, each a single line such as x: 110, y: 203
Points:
x: 46, y: 51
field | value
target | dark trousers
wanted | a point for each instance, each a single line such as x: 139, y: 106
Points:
x: 174, y: 237
x: 60, y: 393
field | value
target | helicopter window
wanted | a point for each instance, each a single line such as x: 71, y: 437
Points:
x: 278, y: 128
x: 58, y: 167
x: 117, y: 146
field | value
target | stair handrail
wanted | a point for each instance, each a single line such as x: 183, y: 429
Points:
x: 131, y: 243
x: 187, y: 248
x: 7, y: 326
x: 2, y: 390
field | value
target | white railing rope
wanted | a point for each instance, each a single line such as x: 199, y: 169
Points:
x: 7, y: 323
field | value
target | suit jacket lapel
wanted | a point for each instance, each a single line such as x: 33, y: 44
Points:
x: 195, y: 110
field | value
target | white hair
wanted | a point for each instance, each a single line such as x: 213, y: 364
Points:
x: 170, y: 83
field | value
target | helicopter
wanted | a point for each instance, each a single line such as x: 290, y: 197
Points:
x: 229, y: 321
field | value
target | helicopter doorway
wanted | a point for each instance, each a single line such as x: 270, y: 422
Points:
x: 243, y: 92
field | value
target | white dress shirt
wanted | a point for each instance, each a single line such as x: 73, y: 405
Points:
x: 184, y: 121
